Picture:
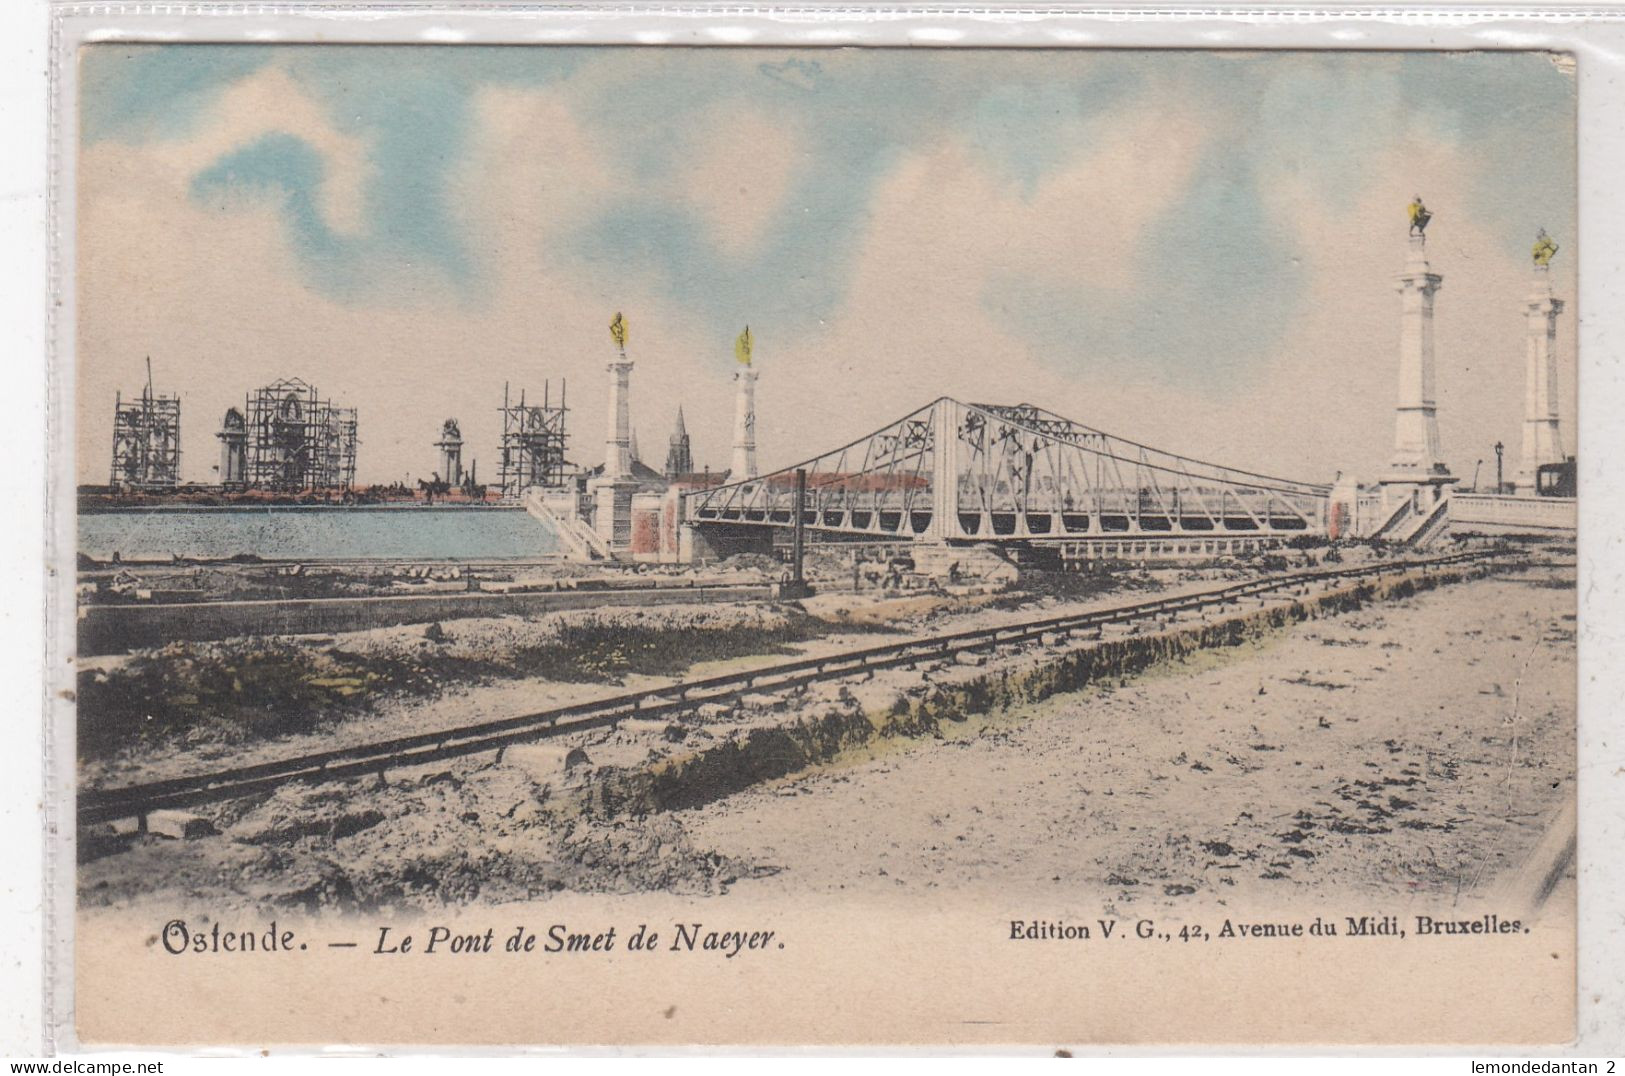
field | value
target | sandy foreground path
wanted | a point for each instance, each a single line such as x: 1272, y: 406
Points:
x: 1417, y: 747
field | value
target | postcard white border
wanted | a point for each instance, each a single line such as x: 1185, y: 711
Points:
x: 1594, y: 34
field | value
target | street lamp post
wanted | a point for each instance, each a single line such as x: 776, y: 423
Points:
x: 1499, y: 449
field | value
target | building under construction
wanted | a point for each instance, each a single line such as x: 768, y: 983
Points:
x: 297, y: 441
x: 146, y: 440
x: 533, y: 443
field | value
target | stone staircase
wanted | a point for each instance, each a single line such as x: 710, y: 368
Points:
x: 1415, y: 530
x: 581, y: 540
x: 1401, y: 518
x: 1429, y: 526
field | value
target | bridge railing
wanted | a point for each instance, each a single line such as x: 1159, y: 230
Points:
x: 1135, y: 453
x: 1502, y: 511
x: 953, y: 470
x: 1134, y: 484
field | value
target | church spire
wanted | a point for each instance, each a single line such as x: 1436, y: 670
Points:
x: 679, y: 455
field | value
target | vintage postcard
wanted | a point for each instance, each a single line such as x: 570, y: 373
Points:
x: 665, y: 545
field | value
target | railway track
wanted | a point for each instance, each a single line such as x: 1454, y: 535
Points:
x: 377, y: 758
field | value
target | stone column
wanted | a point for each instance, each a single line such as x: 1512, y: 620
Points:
x: 612, y: 491
x: 1416, y: 426
x: 744, y: 455
x: 618, y: 427
x: 1541, y: 442
x: 1416, y: 458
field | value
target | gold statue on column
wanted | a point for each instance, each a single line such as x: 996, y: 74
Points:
x: 1419, y: 216
x: 1545, y: 247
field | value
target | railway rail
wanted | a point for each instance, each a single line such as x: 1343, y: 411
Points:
x: 377, y: 758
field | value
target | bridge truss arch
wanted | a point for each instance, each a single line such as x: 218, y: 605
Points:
x: 953, y: 471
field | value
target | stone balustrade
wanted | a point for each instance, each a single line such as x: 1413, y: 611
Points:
x: 1501, y: 512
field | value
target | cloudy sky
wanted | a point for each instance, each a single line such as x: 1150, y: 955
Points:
x: 1192, y: 249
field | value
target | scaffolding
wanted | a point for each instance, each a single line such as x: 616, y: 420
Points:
x: 298, y: 441
x: 335, y: 454
x: 533, y: 443
x: 146, y: 440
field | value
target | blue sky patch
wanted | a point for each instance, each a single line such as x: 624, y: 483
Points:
x: 1229, y: 287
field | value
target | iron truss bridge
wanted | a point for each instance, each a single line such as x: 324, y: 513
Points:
x: 954, y: 471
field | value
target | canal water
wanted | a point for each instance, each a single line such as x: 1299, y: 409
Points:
x: 316, y: 533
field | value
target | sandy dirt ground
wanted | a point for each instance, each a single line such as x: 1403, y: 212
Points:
x: 837, y: 622
x: 1415, y: 746
x: 452, y: 703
